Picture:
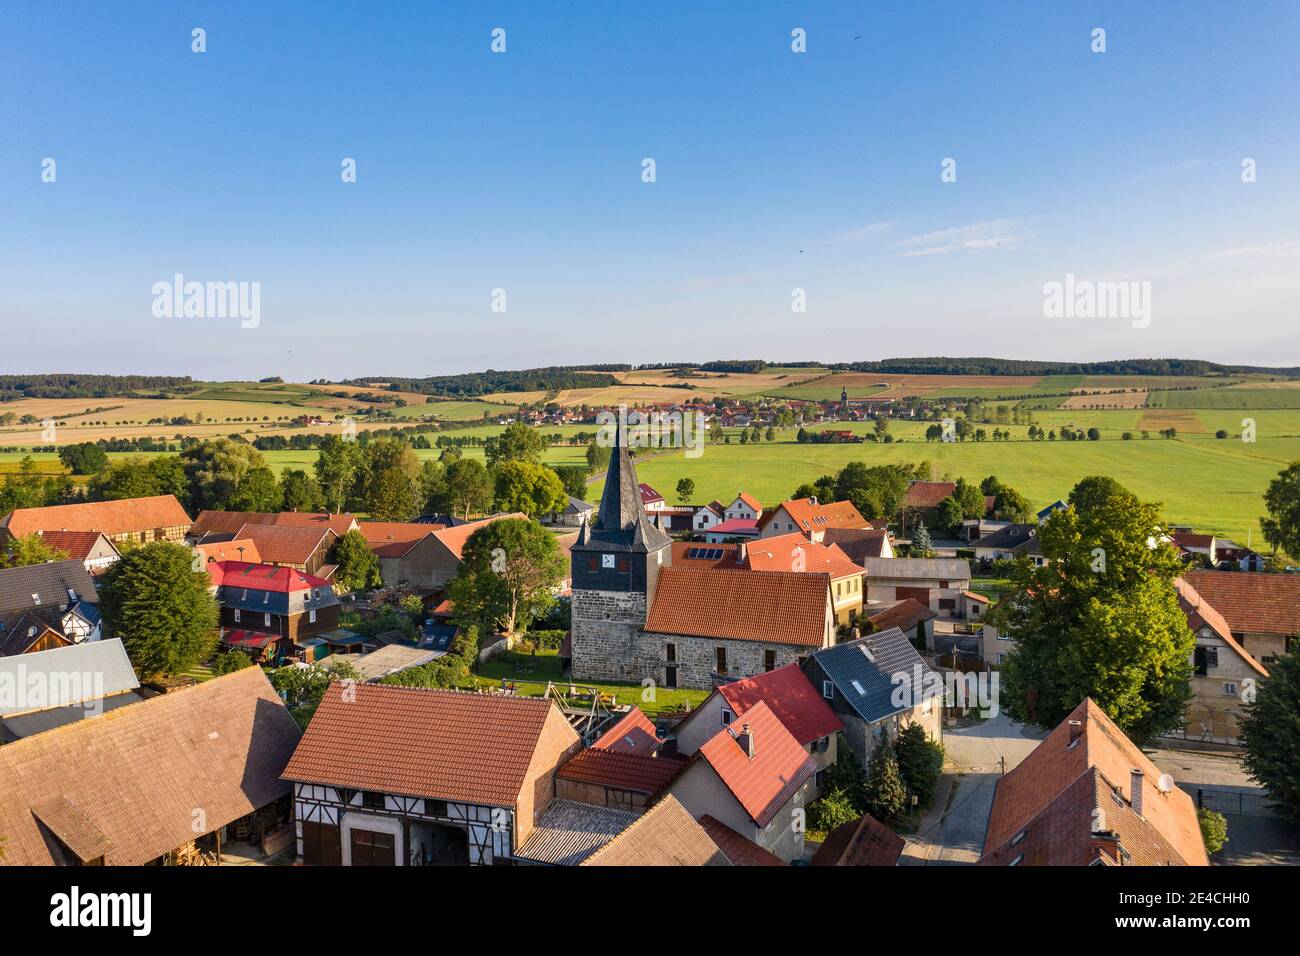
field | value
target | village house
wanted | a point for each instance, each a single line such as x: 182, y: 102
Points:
x: 735, y: 849
x: 707, y: 516
x: 575, y: 512
x: 861, y: 842
x: 789, y: 695
x: 421, y: 555
x: 1262, y: 611
x: 91, y: 548
x: 122, y: 789
x: 71, y: 683
x: 936, y: 583
x: 744, y: 507
x: 266, y: 609
x: 127, y: 521
x: 860, y: 543
x: 794, y: 552
x: 636, y: 617
x: 914, y: 619
x: 1197, y: 546
x: 224, y: 525
x: 1087, y: 796
x: 473, y: 775
x: 307, y: 548
x: 623, y: 768
x: 44, y: 606
x: 1011, y: 542
x: 651, y: 500
x: 753, y: 777
x: 811, y: 518
x: 734, y: 529
x: 1223, y: 674
x: 877, y: 685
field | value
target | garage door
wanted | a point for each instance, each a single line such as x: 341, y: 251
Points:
x: 920, y: 595
x: 373, y: 849
x: 321, y: 845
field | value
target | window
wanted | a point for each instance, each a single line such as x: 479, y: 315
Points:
x: 858, y: 687
x: 267, y: 617
x: 593, y: 563
x: 1205, y: 659
x: 624, y: 565
x: 435, y: 808
x: 311, y: 615
x: 236, y: 615
x: 372, y: 800
x: 722, y: 660
x: 1018, y: 837
x: 1229, y: 689
x: 820, y: 780
x: 1017, y: 861
x: 828, y: 690
x: 769, y: 660
x: 727, y: 717
x: 670, y: 652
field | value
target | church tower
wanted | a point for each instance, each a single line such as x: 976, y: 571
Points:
x: 616, y: 562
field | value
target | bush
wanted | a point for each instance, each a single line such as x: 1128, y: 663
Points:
x: 546, y: 640
x: 1214, y: 829
x: 835, y: 808
x: 230, y: 662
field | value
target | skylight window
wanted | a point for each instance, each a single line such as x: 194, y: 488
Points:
x: 859, y: 688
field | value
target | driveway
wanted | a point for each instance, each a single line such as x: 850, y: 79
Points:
x: 952, y: 832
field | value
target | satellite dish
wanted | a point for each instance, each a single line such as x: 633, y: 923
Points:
x: 1165, y: 783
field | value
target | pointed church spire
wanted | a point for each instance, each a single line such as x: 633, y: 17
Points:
x: 620, y: 502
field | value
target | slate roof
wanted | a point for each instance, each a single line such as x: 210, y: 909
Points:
x: 621, y: 523
x: 940, y: 569
x: 50, y: 582
x: 569, y: 832
x: 85, y: 671
x: 1060, y: 795
x: 764, y: 783
x: 739, y: 850
x: 789, y: 695
x: 780, y: 607
x: 861, y: 842
x: 665, y: 835
x: 441, y: 744
x: 131, y: 779
x: 110, y: 517
x: 1252, y: 602
x: 1014, y: 537
x: 871, y: 662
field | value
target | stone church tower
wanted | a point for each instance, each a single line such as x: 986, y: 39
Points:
x: 616, y: 562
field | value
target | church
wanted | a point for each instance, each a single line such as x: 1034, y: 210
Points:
x: 638, y: 619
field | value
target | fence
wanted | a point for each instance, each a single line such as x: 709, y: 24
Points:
x: 1240, y: 800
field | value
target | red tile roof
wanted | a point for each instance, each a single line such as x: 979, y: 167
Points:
x: 77, y: 545
x: 738, y: 850
x: 1202, y: 614
x: 236, y: 549
x: 794, y: 552
x: 262, y: 577
x: 110, y: 517
x: 635, y: 733
x: 620, y: 770
x: 287, y: 544
x: 728, y: 557
x: 764, y: 783
x: 928, y: 494
x: 779, y: 607
x: 392, y: 539
x: 748, y: 499
x: 904, y: 615
x: 441, y: 744
x: 1059, y: 793
x: 454, y: 538
x: 861, y: 842
x: 1189, y: 539
x: 1252, y: 601
x: 229, y: 522
x: 789, y: 695
x: 810, y: 516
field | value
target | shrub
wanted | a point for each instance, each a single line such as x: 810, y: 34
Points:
x: 230, y: 662
x: 920, y: 763
x: 1214, y: 829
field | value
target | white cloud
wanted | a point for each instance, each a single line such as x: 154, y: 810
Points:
x: 975, y: 236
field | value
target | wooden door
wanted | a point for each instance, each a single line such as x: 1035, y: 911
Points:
x: 321, y: 845
x: 370, y: 848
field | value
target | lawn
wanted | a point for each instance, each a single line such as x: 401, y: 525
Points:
x: 531, y: 672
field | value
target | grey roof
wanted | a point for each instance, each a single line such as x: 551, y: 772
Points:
x: 578, y: 506
x: 1056, y: 505
x: 1014, y: 537
x: 388, y: 659
x: 621, y: 523
x: 946, y: 569
x: 26, y: 725
x: 570, y: 832
x: 866, y: 672
x: 66, y: 675
x: 50, y: 581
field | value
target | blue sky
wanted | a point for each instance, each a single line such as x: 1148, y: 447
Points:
x: 522, y: 171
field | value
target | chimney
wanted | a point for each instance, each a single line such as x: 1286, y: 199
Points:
x: 1135, y: 785
x: 855, y: 633
x: 742, y: 552
x: 746, y: 740
x: 1076, y: 731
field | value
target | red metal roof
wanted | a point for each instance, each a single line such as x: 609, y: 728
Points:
x: 736, y: 526
x: 262, y: 577
x: 789, y: 695
x: 253, y: 639
x: 765, y: 782
x: 648, y: 495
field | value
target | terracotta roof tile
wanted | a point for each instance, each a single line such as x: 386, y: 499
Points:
x: 928, y: 494
x: 287, y: 544
x: 236, y: 549
x: 810, y: 516
x: 858, y: 543
x: 738, y: 850
x: 765, y: 782
x: 775, y: 606
x: 442, y: 744
x: 794, y: 552
x: 620, y: 770
x: 1252, y: 601
x: 1202, y: 614
x: 861, y: 842
x: 393, y: 539
x: 1054, y: 794
x: 75, y: 544
x: 635, y: 733
x: 133, y: 776
x: 229, y: 522
x: 753, y: 503
x: 110, y: 517
x: 705, y: 555
x: 454, y: 538
x: 904, y: 615
x: 789, y: 695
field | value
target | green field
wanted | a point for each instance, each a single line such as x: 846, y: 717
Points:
x: 1228, y: 398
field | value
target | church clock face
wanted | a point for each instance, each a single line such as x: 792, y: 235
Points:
x: 606, y: 560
